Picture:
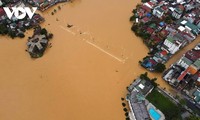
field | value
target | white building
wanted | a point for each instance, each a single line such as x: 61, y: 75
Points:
x: 168, y: 76
x: 184, y: 62
x: 177, y: 13
x: 172, y: 45
x: 1, y: 3
x: 158, y: 12
x: 179, y: 1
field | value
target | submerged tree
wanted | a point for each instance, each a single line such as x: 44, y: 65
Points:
x: 43, y: 31
x: 160, y: 67
x: 59, y: 7
x: 123, y: 104
x: 21, y: 35
x: 125, y: 109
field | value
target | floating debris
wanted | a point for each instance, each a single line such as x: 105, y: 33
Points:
x: 69, y: 26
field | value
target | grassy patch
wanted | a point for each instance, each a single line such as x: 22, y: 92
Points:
x: 169, y: 109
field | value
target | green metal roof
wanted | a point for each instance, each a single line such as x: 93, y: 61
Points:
x: 160, y: 9
x: 140, y: 97
x: 197, y: 63
x: 170, y: 39
x: 187, y: 61
x: 178, y: 10
x: 153, y: 25
x: 192, y: 26
x: 197, y: 95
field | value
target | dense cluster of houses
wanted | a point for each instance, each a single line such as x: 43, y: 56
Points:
x: 170, y: 24
x: 15, y: 27
x: 44, y: 4
x: 184, y: 75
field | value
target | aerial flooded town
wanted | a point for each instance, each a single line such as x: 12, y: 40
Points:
x: 100, y: 60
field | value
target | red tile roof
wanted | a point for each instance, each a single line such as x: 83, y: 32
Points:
x: 146, y: 8
x: 150, y: 30
x: 164, y: 32
x: 192, y: 69
x: 193, y: 55
x: 2, y: 12
x: 140, y: 14
x: 165, y: 8
x: 153, y: 62
x: 150, y: 3
x: 156, y: 38
x: 183, y: 75
x: 164, y: 52
x: 145, y: 19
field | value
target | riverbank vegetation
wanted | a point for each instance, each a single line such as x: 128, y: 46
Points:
x: 152, y: 81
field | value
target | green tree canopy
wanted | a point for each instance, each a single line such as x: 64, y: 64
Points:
x: 21, y: 35
x: 193, y: 117
x: 160, y: 67
x: 43, y: 31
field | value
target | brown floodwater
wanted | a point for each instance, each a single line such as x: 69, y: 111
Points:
x: 85, y: 72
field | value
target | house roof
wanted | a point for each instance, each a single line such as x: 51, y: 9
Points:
x: 148, y: 14
x: 2, y: 12
x: 146, y: 8
x: 198, y: 79
x: 165, y: 8
x: 181, y: 8
x: 181, y: 28
x: 153, y: 25
x: 193, y: 54
x: 183, y: 75
x: 156, y: 38
x: 152, y: 61
x: 192, y: 70
x: 164, y: 52
x: 164, y: 32
x: 182, y: 21
x: 140, y: 14
x: 159, y: 9
x: 35, y: 42
x: 197, y: 63
x: 138, y: 106
x: 197, y: 95
x: 162, y: 23
x: 145, y: 19
x: 192, y: 26
x: 150, y: 30
x: 197, y: 47
x: 187, y: 61
x: 170, y: 39
x: 149, y: 4
x: 143, y: 86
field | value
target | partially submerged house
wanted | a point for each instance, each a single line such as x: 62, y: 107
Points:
x: 136, y: 99
x: 37, y: 44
